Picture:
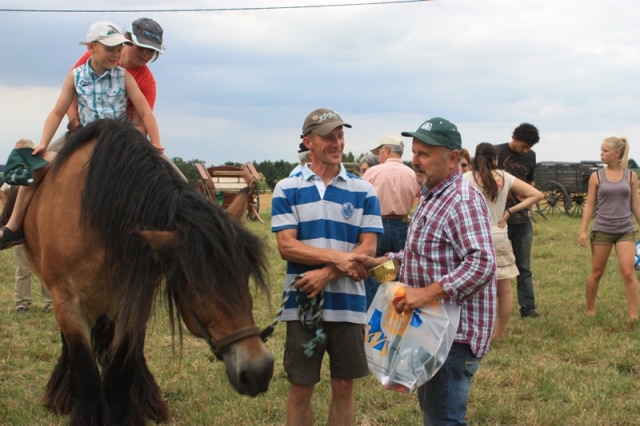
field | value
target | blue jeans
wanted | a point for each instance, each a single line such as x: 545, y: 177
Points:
x: 443, y: 399
x: 393, y: 239
x: 521, y: 236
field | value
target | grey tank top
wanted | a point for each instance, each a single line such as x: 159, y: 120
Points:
x: 613, y: 202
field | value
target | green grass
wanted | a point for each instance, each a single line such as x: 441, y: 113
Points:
x: 560, y: 369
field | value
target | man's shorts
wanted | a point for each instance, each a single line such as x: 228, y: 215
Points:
x: 344, y: 344
x: 598, y: 237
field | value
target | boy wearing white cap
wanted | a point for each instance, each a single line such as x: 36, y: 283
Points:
x: 100, y: 87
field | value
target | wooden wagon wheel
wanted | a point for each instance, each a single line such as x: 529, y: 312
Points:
x: 578, y: 201
x: 556, y: 199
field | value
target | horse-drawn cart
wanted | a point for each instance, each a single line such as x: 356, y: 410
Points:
x: 221, y: 184
x: 564, y: 185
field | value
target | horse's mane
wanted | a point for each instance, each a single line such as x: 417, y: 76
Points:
x: 128, y: 187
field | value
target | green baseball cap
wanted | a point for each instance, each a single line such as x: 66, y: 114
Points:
x: 20, y: 165
x: 438, y: 132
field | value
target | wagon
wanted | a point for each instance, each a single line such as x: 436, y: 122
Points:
x: 564, y: 185
x: 221, y: 184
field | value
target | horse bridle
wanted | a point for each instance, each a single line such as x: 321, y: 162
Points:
x: 220, y: 345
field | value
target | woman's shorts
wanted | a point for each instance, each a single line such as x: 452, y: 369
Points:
x: 504, y: 257
x: 598, y: 237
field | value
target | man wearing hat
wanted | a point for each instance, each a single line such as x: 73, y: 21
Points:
x: 397, y: 189
x: 321, y: 216
x: 448, y: 257
x: 303, y: 157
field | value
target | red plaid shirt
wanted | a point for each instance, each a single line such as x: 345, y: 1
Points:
x: 449, y: 241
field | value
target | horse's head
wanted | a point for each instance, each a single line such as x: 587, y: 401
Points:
x: 208, y: 271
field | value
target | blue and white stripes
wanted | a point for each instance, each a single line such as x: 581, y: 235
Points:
x: 348, y: 207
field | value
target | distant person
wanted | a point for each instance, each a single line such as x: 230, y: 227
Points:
x: 303, y: 157
x: 85, y: 84
x: 495, y: 185
x: 613, y: 195
x: 367, y: 161
x: 465, y: 161
x: 321, y: 216
x: 517, y: 158
x: 397, y: 189
x: 23, y: 295
x: 448, y: 257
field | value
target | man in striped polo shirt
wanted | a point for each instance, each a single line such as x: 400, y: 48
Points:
x: 321, y: 216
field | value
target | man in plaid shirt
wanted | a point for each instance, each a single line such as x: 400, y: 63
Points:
x: 448, y: 257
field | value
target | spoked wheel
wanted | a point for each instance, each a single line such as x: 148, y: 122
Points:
x: 578, y: 201
x: 556, y: 199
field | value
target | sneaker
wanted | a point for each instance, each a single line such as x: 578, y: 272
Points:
x: 21, y: 309
x: 48, y: 308
x: 529, y: 313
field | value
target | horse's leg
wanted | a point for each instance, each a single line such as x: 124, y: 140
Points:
x: 77, y: 374
x: 146, y: 392
x: 129, y: 387
x: 57, y: 396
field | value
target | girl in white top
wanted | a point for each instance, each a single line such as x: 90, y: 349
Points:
x: 495, y: 186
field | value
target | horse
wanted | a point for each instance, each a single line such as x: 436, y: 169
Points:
x: 112, y: 228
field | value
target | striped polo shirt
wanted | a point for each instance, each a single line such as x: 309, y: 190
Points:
x: 100, y: 96
x: 335, y: 219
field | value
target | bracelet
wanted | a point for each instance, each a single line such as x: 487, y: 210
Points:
x: 509, y: 211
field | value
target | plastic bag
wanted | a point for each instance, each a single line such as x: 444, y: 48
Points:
x: 405, y: 350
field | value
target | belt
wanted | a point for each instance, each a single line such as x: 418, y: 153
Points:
x: 404, y: 218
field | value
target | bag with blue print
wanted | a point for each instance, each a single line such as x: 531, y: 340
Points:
x: 405, y: 350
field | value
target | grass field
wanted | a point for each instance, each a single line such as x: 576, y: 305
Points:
x: 560, y: 369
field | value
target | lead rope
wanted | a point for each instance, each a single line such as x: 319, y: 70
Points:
x: 312, y: 308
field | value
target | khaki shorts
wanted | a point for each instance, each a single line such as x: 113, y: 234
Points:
x: 344, y: 344
x: 598, y: 237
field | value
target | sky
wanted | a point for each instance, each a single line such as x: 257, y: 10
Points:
x: 236, y: 85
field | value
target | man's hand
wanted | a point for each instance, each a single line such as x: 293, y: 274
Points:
x: 313, y: 282
x: 352, y: 269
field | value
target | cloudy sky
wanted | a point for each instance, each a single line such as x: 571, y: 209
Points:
x: 236, y: 85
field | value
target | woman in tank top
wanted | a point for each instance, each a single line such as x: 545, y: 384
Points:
x: 613, y: 195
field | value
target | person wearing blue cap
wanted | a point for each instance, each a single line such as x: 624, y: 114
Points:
x: 448, y: 258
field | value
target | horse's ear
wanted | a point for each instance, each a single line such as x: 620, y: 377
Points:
x: 239, y: 205
x: 163, y: 242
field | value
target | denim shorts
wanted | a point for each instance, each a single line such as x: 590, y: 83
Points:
x: 598, y: 237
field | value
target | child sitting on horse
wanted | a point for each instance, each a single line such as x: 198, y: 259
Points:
x: 100, y: 88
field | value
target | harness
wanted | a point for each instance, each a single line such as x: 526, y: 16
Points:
x: 312, y: 308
